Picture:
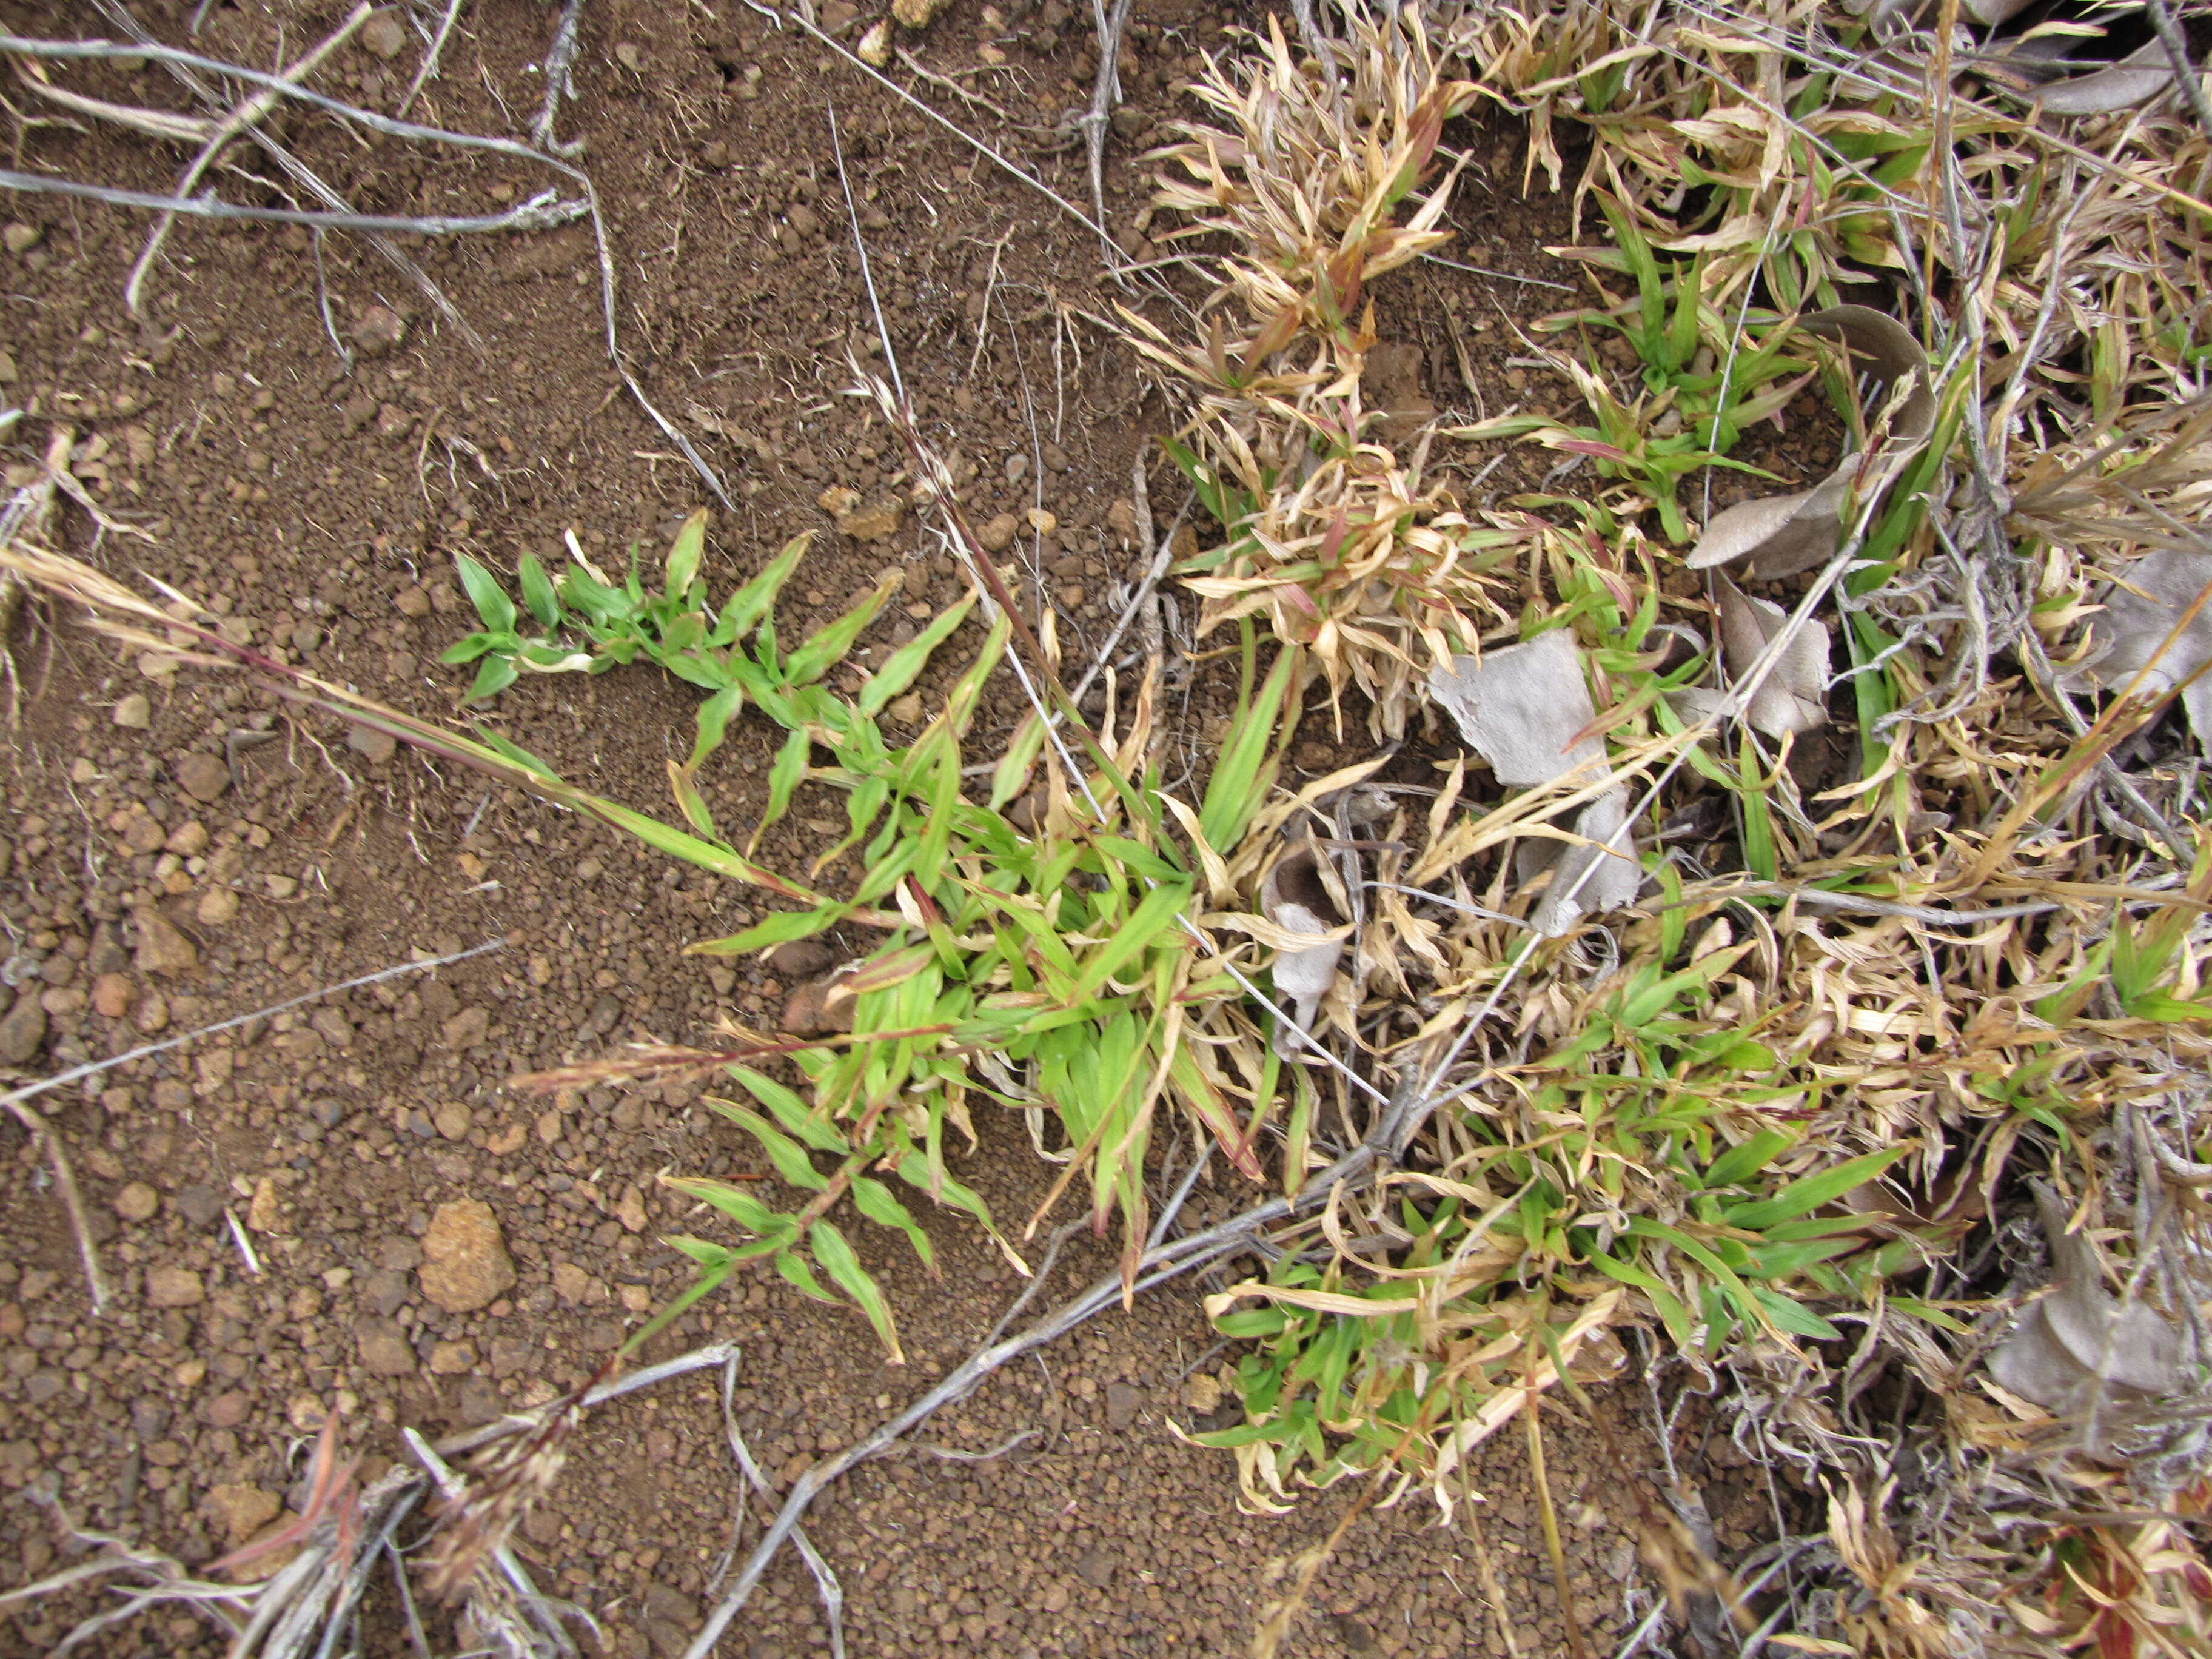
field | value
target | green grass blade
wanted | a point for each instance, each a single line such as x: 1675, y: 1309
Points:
x: 714, y: 717
x: 791, y: 1111
x: 787, y: 772
x: 1151, y: 918
x: 487, y: 595
x: 790, y: 1158
x: 777, y: 927
x: 538, y: 592
x: 838, y: 1260
x: 685, y: 554
x: 875, y: 1201
x: 794, y: 1267
x: 494, y: 677
x: 1011, y: 775
x: 1739, y: 1162
x: 1242, y: 777
x: 1810, y: 1191
x: 829, y: 645
x: 751, y: 602
x: 735, y: 1202
x: 907, y: 662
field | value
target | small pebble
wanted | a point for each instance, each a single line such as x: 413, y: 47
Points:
x: 174, y: 1287
x: 379, y: 330
x: 133, y: 712
x: 383, y: 34
x: 199, y: 1205
x: 137, y: 1202
x: 367, y: 740
x: 202, y: 776
x: 161, y: 948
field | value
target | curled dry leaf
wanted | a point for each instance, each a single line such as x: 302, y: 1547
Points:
x: 1524, y: 709
x: 1793, y: 696
x: 2077, y: 1345
x: 1585, y: 879
x: 1782, y: 535
x: 2130, y: 636
x: 2134, y: 79
x: 1988, y: 13
x: 1296, y: 899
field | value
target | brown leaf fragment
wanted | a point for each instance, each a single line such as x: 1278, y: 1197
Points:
x: 2134, y: 79
x: 2077, y: 1345
x: 1789, y: 534
x: 1782, y: 535
x: 1522, y: 708
x: 1588, y: 879
x: 2130, y: 636
x: 1793, y: 696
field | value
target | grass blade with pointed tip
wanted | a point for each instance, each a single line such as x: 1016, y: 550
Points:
x: 487, y: 595
x: 907, y: 662
x: 830, y: 644
x: 838, y: 1260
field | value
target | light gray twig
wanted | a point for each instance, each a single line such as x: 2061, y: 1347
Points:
x: 430, y: 59
x: 558, y: 85
x: 825, y: 1579
x: 539, y: 213
x: 904, y: 96
x: 644, y: 1376
x: 2177, y: 52
x: 1105, y: 93
x: 92, y: 1068
x: 249, y: 113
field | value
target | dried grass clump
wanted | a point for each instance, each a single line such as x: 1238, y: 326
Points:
x: 1883, y: 1107
x: 1346, y: 546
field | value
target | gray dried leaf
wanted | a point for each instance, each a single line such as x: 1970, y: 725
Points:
x: 1522, y: 708
x: 1296, y: 899
x: 1789, y: 534
x: 2129, y: 636
x: 1695, y: 704
x: 2134, y: 79
x: 1783, y: 535
x: 1793, y: 696
x: 2077, y: 1344
x: 1588, y: 879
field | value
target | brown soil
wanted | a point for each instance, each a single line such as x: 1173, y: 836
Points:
x: 318, y: 507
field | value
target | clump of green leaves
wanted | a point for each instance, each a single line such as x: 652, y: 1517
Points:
x: 593, y: 625
x: 1612, y: 1171
x: 1702, y: 385
x: 1055, y: 965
